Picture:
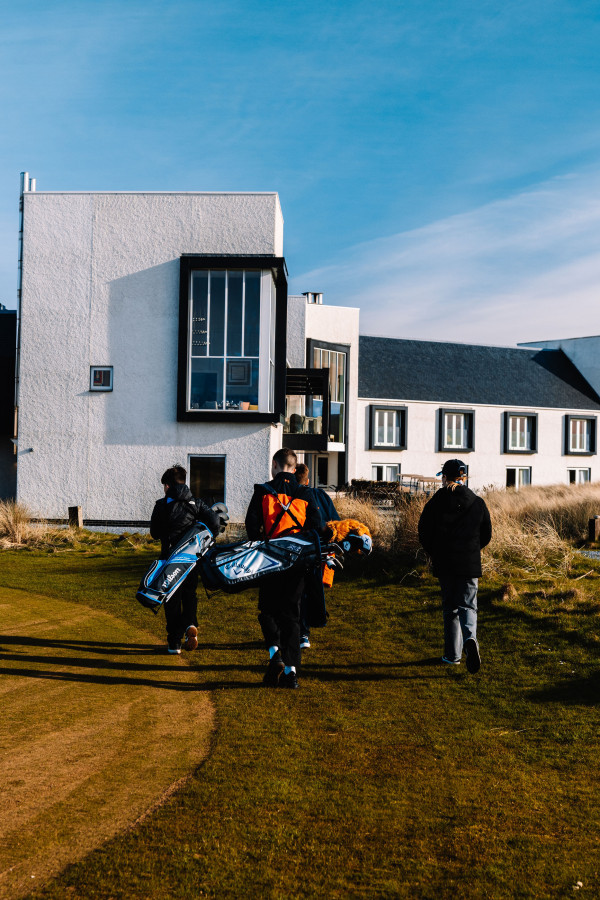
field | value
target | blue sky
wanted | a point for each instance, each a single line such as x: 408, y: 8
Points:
x: 438, y: 164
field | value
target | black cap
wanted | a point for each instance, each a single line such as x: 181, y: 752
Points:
x: 453, y: 469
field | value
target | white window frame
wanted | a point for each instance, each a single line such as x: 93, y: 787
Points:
x: 387, y: 469
x: 518, y: 473
x: 453, y: 444
x: 582, y: 435
x: 393, y: 425
x: 577, y: 476
x: 522, y: 432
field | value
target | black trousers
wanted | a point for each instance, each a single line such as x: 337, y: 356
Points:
x: 279, y: 616
x: 182, y: 609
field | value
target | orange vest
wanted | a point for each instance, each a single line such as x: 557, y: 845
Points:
x: 276, y: 509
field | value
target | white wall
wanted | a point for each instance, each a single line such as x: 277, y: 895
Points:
x: 487, y: 463
x: 101, y: 287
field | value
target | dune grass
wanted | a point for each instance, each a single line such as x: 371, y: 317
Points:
x: 385, y: 775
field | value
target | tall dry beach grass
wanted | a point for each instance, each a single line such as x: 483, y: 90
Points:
x: 18, y: 529
x: 535, y: 530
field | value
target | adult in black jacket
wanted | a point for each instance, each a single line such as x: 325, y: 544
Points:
x: 279, y: 598
x: 454, y: 527
x: 172, y: 516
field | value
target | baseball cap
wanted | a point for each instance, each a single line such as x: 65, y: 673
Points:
x: 452, y: 469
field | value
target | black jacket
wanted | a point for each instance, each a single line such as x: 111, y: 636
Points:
x: 283, y: 483
x: 454, y: 526
x: 174, y: 513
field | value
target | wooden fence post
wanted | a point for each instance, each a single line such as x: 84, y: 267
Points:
x: 75, y: 517
x: 594, y: 529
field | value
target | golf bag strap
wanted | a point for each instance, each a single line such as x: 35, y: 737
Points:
x: 285, y: 508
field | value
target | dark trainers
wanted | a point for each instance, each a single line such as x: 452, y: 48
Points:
x: 274, y: 670
x: 174, y: 647
x: 191, y: 638
x: 289, y: 680
x: 473, y: 658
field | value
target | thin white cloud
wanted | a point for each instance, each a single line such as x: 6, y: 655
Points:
x: 523, y: 268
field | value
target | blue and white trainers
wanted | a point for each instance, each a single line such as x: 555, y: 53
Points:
x: 304, y: 642
x: 451, y: 662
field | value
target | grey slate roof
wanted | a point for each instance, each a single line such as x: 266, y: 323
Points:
x: 396, y: 369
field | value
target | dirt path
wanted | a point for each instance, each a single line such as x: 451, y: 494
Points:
x: 97, y: 723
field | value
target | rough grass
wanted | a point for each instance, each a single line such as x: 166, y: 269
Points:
x: 385, y: 775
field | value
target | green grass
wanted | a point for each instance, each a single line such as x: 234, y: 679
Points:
x: 385, y: 775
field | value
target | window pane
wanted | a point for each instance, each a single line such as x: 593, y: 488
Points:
x: 524, y: 477
x: 252, y: 314
x: 235, y: 282
x: 207, y: 478
x: 341, y: 386
x: 242, y: 384
x: 199, y: 313
x: 336, y: 423
x: 206, y: 391
x: 216, y: 323
x: 511, y: 478
x: 322, y: 470
x: 391, y: 473
x: 455, y: 430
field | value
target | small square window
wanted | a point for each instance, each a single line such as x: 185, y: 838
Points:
x: 101, y: 378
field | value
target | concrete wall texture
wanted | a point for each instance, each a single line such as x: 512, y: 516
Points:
x: 101, y: 287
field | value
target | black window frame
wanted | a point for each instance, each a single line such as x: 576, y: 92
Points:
x: 309, y: 382
x: 447, y: 410
x: 276, y: 264
x: 593, y: 433
x: 101, y: 390
x: 374, y: 408
x: 533, y: 417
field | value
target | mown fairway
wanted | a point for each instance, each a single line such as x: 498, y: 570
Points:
x: 385, y: 775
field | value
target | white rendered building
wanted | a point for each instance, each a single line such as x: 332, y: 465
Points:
x: 156, y: 328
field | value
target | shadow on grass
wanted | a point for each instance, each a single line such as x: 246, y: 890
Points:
x: 576, y: 692
x: 112, y: 647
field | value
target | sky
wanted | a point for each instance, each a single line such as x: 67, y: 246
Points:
x: 438, y: 164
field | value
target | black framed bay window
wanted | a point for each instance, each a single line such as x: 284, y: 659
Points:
x: 387, y: 428
x: 520, y: 432
x: 456, y: 430
x: 232, y: 339
x: 580, y: 435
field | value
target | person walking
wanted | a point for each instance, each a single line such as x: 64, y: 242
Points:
x: 454, y: 527
x: 172, y: 515
x: 281, y: 506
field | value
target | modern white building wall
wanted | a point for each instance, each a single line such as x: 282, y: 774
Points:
x: 487, y: 462
x: 100, y: 287
x: 584, y: 353
x: 296, y: 331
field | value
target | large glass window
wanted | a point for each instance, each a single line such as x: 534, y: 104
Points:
x: 232, y: 316
x: 335, y: 361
